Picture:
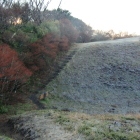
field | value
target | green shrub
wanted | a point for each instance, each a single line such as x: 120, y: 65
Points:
x: 3, y: 109
x: 48, y: 27
x: 47, y: 102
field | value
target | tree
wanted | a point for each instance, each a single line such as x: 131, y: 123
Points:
x: 13, y: 72
x: 67, y: 29
x: 56, y: 14
x: 27, y: 11
x: 38, y: 7
x: 85, y: 31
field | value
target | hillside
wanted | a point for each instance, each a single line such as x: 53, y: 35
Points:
x: 102, y: 76
x: 95, y: 96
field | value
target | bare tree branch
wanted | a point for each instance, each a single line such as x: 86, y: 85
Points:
x: 59, y: 4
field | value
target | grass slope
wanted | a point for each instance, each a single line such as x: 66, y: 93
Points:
x: 101, y: 77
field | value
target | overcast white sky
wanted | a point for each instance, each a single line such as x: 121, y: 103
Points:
x: 119, y: 15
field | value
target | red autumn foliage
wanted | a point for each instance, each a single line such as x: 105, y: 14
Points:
x: 51, y: 45
x: 11, y: 69
x: 43, y: 51
x: 64, y: 43
x: 45, y: 46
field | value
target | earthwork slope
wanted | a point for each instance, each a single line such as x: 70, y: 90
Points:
x: 101, y: 77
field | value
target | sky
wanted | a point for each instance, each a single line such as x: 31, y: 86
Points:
x: 119, y: 15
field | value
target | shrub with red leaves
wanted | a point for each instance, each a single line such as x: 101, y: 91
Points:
x: 44, y: 51
x: 11, y: 69
x: 63, y: 44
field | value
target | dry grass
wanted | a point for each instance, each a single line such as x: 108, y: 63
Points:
x: 103, y: 75
x: 98, y: 127
x: 100, y: 77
